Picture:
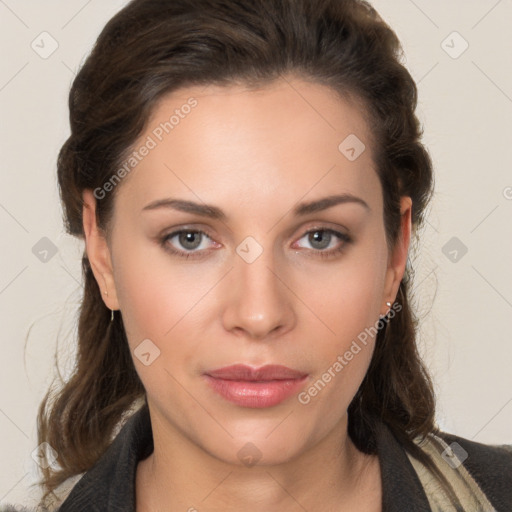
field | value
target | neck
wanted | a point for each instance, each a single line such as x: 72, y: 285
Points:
x: 331, y: 475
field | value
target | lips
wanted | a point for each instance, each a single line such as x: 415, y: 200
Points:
x: 255, y: 387
x: 265, y: 373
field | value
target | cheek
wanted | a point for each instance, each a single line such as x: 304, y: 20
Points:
x: 344, y: 298
x: 153, y: 295
x: 139, y: 296
x: 342, y: 359
x: 347, y: 299
x: 157, y: 301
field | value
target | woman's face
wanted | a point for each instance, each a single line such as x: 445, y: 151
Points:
x: 273, y: 280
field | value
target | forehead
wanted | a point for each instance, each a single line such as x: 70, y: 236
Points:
x: 222, y: 142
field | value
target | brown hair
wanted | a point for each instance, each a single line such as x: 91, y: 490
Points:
x: 153, y: 47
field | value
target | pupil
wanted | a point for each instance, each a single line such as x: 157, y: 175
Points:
x: 187, y: 240
x: 321, y: 236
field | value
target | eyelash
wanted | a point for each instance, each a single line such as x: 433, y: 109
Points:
x: 197, y: 254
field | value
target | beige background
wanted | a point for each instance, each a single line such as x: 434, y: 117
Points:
x: 465, y: 305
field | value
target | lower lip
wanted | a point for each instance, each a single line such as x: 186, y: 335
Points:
x: 253, y: 393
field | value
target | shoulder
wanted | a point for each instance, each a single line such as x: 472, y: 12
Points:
x: 489, y: 464
x: 480, y: 474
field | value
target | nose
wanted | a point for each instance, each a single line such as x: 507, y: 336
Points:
x: 259, y: 301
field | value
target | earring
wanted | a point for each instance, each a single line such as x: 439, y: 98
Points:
x: 388, y: 304
x: 111, y: 311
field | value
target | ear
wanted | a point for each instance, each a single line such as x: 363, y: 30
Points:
x: 98, y: 251
x: 398, y: 257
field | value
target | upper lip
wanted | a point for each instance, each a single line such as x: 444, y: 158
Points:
x: 247, y: 373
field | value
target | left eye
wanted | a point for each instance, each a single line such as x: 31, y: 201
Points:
x: 321, y: 238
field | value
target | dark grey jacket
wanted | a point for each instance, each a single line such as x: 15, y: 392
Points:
x: 110, y: 485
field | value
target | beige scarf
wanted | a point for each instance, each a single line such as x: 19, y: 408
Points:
x: 449, y: 460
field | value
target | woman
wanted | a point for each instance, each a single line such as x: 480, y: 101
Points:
x: 247, y: 178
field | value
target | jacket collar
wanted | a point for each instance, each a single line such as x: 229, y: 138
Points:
x: 401, y: 487
x: 109, y: 486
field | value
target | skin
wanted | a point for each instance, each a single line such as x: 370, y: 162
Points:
x: 255, y: 154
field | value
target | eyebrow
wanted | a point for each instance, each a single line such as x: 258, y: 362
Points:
x: 213, y: 212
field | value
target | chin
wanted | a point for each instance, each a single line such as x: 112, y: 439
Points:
x: 258, y: 449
